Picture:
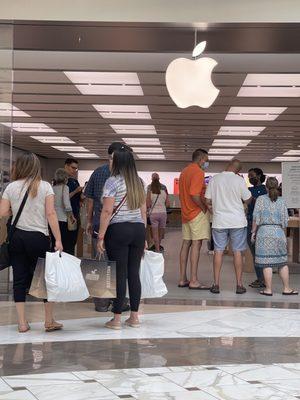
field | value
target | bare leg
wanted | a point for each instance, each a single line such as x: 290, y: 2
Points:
x: 195, y: 255
x: 184, y: 256
x: 48, y: 313
x: 238, y: 265
x: 161, y: 234
x: 218, y: 260
x: 156, y: 238
x: 284, y: 275
x: 268, y: 272
x: 21, y: 314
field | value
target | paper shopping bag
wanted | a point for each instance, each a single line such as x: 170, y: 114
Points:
x: 100, y: 278
x: 38, y: 283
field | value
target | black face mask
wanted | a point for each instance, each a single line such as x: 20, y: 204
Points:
x: 253, y: 181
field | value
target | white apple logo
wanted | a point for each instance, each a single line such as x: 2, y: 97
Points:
x: 189, y: 81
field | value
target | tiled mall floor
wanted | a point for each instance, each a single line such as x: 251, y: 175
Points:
x: 191, y: 345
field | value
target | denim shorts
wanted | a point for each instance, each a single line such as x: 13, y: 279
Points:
x: 237, y: 237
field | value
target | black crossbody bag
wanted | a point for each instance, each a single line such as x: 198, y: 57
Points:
x: 4, y: 248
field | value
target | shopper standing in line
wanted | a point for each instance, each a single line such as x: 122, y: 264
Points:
x: 71, y: 167
x: 195, y: 218
x: 226, y: 194
x: 63, y: 209
x: 270, y: 218
x: 256, y: 178
x: 93, y: 192
x: 122, y: 231
x: 31, y: 237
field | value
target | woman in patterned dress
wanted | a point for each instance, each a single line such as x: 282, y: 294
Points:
x: 270, y: 218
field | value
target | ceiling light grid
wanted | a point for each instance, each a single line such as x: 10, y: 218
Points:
x: 70, y: 148
x: 240, y: 130
x: 231, y: 142
x: 271, y: 85
x: 8, y: 110
x: 84, y: 155
x: 151, y: 156
x: 154, y: 150
x: 134, y: 129
x: 119, y: 111
x: 28, y: 127
x: 254, y: 113
x: 53, y: 139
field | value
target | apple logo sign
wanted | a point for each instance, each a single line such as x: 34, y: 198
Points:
x: 189, y: 81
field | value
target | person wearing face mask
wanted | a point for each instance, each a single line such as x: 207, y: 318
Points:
x: 195, y: 218
x: 256, y: 178
x: 226, y: 194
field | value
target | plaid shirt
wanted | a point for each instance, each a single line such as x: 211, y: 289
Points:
x: 94, y: 190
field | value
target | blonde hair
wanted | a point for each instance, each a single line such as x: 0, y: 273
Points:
x: 28, y: 167
x: 272, y: 186
x: 124, y: 165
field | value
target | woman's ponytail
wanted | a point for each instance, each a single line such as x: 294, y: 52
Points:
x: 272, y: 186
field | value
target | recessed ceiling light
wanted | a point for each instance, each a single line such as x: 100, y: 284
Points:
x: 224, y: 151
x: 52, y: 139
x: 147, y: 149
x: 70, y: 148
x: 141, y: 141
x: 254, y: 113
x: 240, y: 130
x: 134, y: 129
x: 28, y: 127
x: 231, y: 142
x: 286, y: 159
x: 292, y: 153
x: 103, y: 78
x: 220, y: 158
x: 263, y: 91
x: 123, y: 111
x: 7, y: 110
x: 151, y: 156
x: 83, y: 155
x: 111, y: 90
x: 272, y: 80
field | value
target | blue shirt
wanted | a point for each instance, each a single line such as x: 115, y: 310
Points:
x: 256, y: 192
x: 75, y: 200
x: 94, y: 190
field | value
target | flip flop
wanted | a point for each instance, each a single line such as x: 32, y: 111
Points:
x: 184, y: 285
x: 291, y: 293
x: 265, y: 294
x: 199, y: 288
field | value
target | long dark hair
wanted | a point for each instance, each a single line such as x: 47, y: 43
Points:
x: 124, y: 165
x: 155, y: 186
x: 272, y: 186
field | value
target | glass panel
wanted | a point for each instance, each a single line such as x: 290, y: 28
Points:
x: 6, y: 86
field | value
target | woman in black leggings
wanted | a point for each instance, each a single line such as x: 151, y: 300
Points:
x: 122, y: 231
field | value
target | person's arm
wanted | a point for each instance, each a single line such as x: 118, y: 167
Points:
x: 148, y: 199
x: 209, y: 205
x: 144, y: 214
x: 245, y: 193
x: 197, y: 199
x: 67, y: 203
x: 196, y: 188
x: 5, y: 210
x: 53, y: 221
x: 167, y: 200
x: 75, y: 191
x: 90, y: 211
x: 107, y: 210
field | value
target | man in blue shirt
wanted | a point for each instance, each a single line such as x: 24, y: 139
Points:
x: 93, y: 192
x: 71, y: 167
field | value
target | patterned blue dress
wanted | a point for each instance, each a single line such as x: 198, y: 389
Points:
x: 271, y: 245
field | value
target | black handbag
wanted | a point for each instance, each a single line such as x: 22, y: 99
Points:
x: 4, y: 248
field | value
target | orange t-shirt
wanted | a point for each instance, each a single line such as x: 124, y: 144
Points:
x: 191, y: 183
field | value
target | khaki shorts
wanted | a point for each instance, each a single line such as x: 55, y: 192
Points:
x: 197, y: 229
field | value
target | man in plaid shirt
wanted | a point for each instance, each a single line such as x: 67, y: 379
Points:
x: 93, y: 192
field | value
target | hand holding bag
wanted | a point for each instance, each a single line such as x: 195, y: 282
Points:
x: 4, y: 248
x: 64, y: 280
x: 151, y: 275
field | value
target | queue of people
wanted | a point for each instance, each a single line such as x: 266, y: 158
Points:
x: 118, y: 204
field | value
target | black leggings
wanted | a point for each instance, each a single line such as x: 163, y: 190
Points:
x: 125, y: 244
x: 25, y: 249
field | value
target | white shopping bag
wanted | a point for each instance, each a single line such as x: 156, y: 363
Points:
x: 64, y: 280
x: 151, y: 275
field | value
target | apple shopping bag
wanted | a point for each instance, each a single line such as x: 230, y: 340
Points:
x: 100, y: 278
x: 64, y: 280
x: 151, y: 275
x: 38, y: 284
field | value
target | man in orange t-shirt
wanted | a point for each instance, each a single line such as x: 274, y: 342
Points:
x: 195, y: 218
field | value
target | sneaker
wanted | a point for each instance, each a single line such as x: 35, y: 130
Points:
x: 215, y: 289
x: 240, y: 290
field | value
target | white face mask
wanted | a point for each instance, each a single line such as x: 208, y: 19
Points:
x: 205, y: 165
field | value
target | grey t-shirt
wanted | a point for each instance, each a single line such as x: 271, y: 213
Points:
x: 33, y: 217
x: 62, y: 202
x: 115, y: 186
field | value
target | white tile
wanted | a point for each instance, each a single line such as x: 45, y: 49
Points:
x: 294, y: 367
x: 63, y: 378
x: 174, y: 396
x: 202, y: 379
x: 73, y: 391
x: 18, y: 395
x: 155, y: 370
x: 113, y: 375
x: 247, y: 392
x: 187, y: 368
x: 260, y: 373
x: 4, y: 388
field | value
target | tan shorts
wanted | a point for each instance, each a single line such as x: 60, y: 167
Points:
x: 197, y: 229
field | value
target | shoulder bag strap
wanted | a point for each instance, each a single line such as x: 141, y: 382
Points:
x: 118, y: 207
x: 150, y: 212
x: 16, y: 220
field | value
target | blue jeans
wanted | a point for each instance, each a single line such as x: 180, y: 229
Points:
x: 258, y: 271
